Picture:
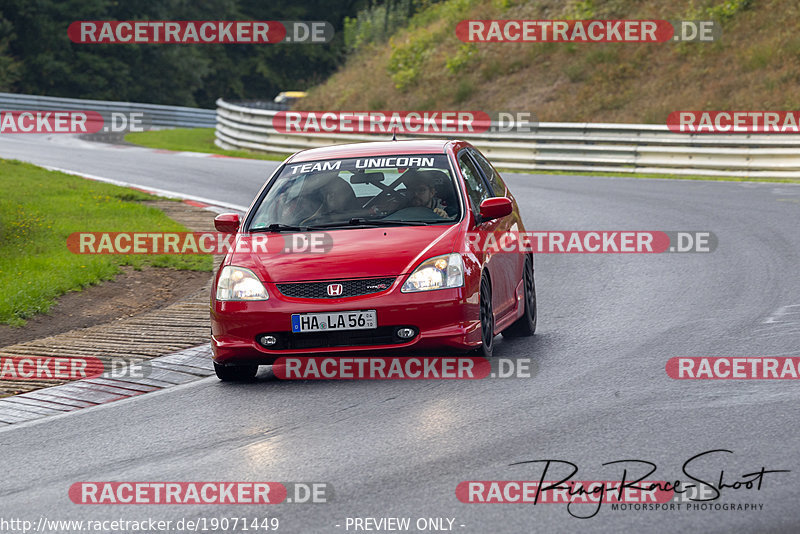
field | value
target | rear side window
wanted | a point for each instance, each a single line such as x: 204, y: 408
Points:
x: 496, y: 182
x: 476, y: 187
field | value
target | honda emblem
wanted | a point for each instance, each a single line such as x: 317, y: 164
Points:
x: 334, y: 290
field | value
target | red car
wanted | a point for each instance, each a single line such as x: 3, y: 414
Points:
x: 395, y: 268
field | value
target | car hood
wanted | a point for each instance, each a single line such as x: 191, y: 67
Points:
x: 351, y: 253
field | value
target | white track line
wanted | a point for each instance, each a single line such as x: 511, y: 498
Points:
x: 161, y: 192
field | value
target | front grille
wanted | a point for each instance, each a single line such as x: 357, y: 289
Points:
x: 384, y: 335
x: 350, y: 288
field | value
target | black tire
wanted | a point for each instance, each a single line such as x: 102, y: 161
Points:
x: 235, y: 373
x: 526, y: 325
x: 487, y: 319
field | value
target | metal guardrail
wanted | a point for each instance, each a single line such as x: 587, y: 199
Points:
x: 557, y: 146
x: 154, y: 114
x: 262, y: 104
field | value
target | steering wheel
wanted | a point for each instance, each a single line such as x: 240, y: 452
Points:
x: 394, y: 197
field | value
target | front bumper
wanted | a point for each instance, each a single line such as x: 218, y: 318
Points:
x: 444, y: 319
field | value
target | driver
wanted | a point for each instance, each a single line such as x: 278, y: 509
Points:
x: 424, y: 194
x: 338, y: 200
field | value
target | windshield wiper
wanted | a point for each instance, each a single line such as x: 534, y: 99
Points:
x: 354, y: 222
x: 280, y: 227
x: 358, y: 221
x: 374, y: 223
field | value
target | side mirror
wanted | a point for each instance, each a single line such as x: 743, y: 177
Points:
x: 494, y: 208
x: 227, y: 223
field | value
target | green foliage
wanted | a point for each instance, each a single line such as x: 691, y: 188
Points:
x: 37, y: 57
x: 9, y: 67
x: 377, y: 103
x: 376, y: 23
x: 722, y: 12
x: 576, y: 72
x: 448, y: 12
x: 726, y: 10
x: 581, y: 10
x: 603, y: 54
x: 758, y: 57
x: 407, y: 59
x: 492, y: 71
x: 39, y: 209
x: 379, y: 22
x: 464, y: 90
x: 467, y: 53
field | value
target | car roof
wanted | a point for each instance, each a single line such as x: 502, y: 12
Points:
x: 379, y: 148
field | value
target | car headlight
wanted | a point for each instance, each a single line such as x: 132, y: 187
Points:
x: 440, y: 272
x: 238, y: 283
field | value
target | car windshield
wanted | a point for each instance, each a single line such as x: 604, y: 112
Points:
x: 371, y: 191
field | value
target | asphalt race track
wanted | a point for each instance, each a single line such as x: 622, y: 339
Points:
x: 607, y: 326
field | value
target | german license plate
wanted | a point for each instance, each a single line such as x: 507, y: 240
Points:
x: 323, y: 322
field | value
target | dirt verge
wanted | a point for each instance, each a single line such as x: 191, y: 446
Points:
x: 141, y: 314
x: 129, y: 294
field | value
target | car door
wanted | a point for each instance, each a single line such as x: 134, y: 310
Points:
x: 498, y: 263
x: 514, y: 263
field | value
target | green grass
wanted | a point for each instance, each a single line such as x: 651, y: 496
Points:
x: 655, y: 175
x: 192, y: 140
x: 39, y: 209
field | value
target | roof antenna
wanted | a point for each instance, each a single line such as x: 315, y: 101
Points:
x: 394, y: 134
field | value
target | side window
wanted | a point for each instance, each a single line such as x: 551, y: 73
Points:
x: 476, y: 187
x: 498, y: 186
